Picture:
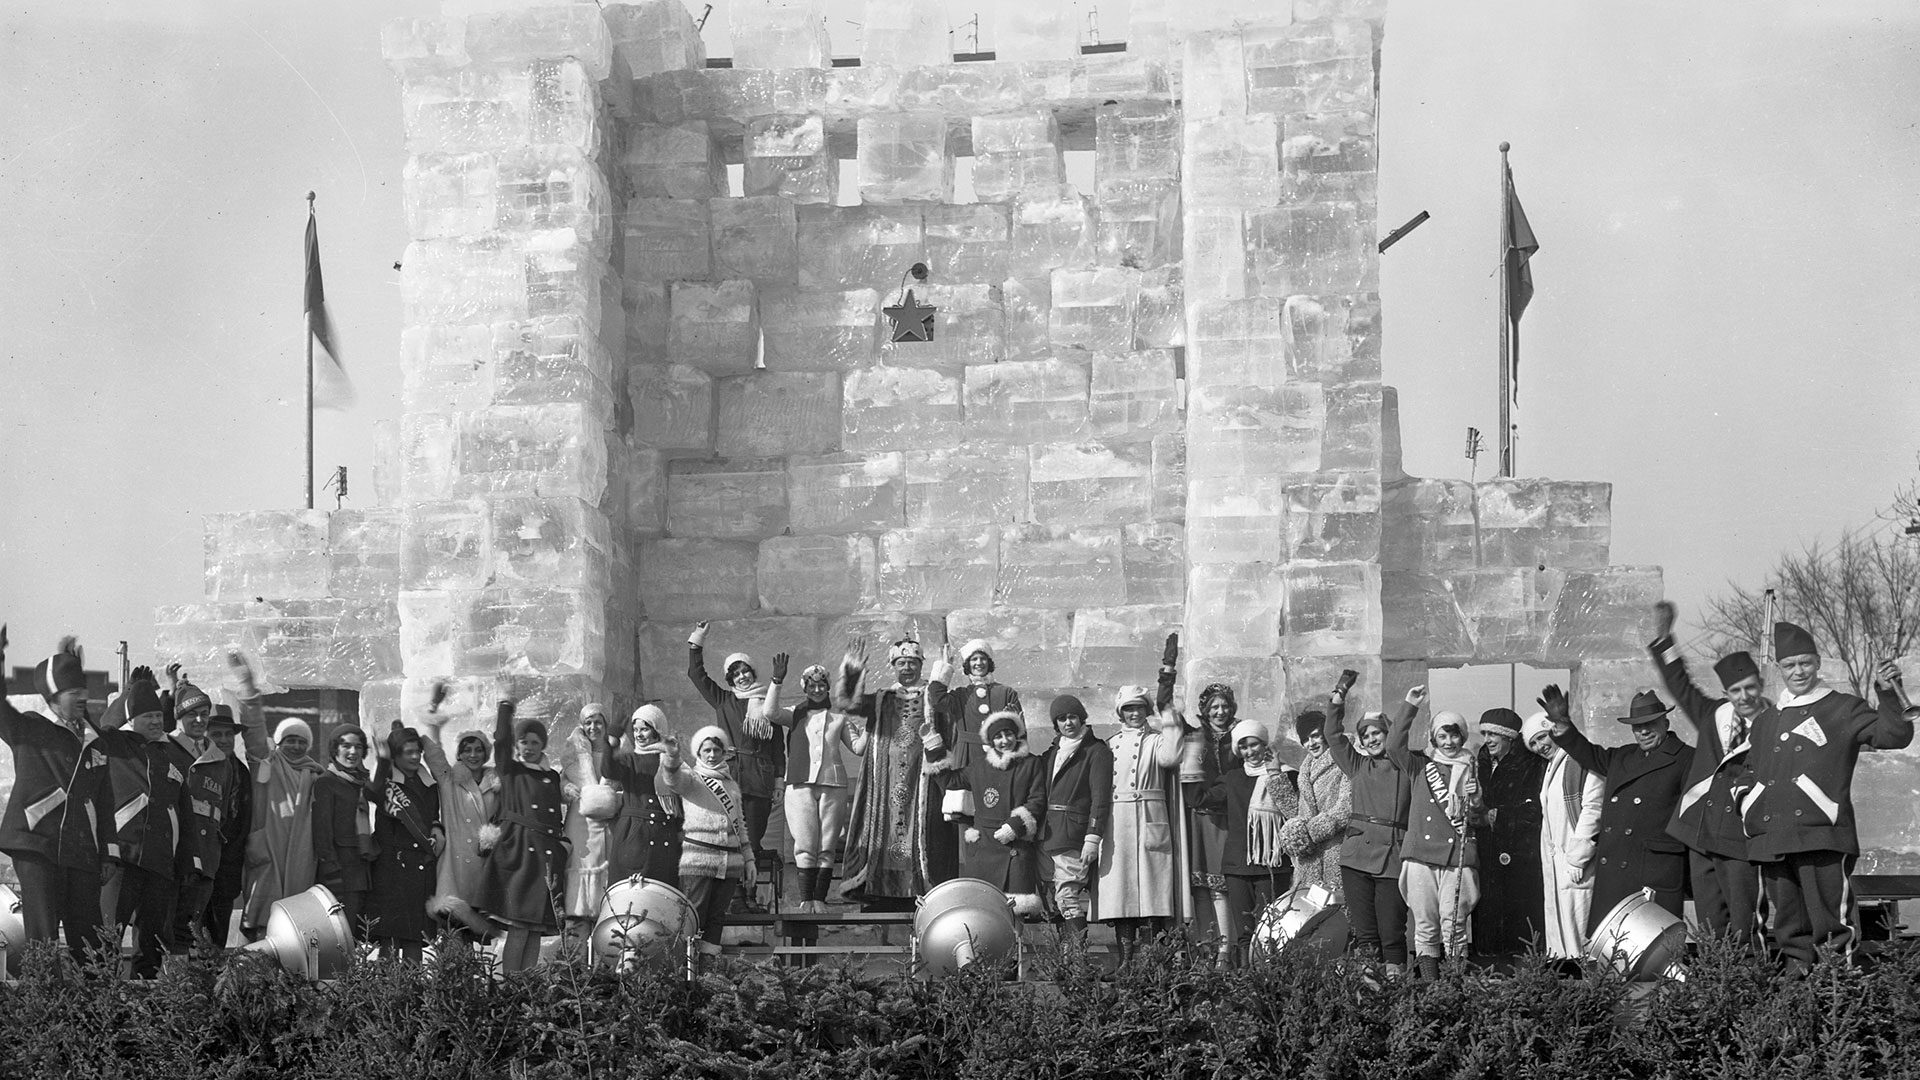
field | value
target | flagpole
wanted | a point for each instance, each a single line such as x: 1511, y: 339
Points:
x: 307, y: 318
x: 1506, y: 322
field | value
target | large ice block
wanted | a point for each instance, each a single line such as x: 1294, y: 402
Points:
x: 1232, y: 162
x: 810, y: 575
x: 1047, y: 567
x: 532, y: 449
x: 928, y: 569
x: 819, y: 330
x: 198, y: 636
x: 640, y: 477
x: 449, y: 545
x: 1093, y: 309
x: 1139, y: 223
x: 844, y: 493
x: 549, y: 542
x: 1601, y: 691
x: 516, y: 189
x: 968, y: 243
x: 1332, y: 608
x: 513, y: 37
x: 1236, y: 343
x: 326, y: 642
x: 1332, y: 339
x: 1136, y: 140
x: 788, y: 156
x: 969, y: 327
x: 904, y: 33
x: 1160, y: 321
x: 753, y: 239
x: 977, y: 482
x: 1026, y: 308
x: 858, y: 247
x: 892, y: 408
x: 527, y: 631
x: 904, y: 158
x: 1116, y: 645
x: 775, y: 413
x: 1134, y: 396
x: 1255, y: 429
x: 1333, y: 516
x: 1015, y: 151
x: 1327, y: 157
x: 1027, y: 401
x: 1155, y: 554
x: 1234, y: 609
x: 1314, y: 67
x: 1421, y: 620
x: 1090, y: 483
x: 964, y: 89
x: 1317, y: 247
x: 1236, y: 518
x: 1603, y: 614
x: 779, y: 33
x: 876, y: 630
x: 1427, y: 525
x: 738, y: 500
x: 1216, y: 264
x: 1213, y: 72
x: 461, y: 281
x: 1052, y: 227
x: 1309, y: 678
x: 1557, y: 523
x: 649, y: 321
x: 672, y: 406
x: 674, y: 161
x: 668, y: 240
x: 1031, y: 648
x: 716, y: 325
x: 363, y: 547
x: 277, y: 553
x: 654, y: 36
x: 550, y: 361
x: 740, y: 94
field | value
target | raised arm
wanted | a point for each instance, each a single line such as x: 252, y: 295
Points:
x: 431, y: 722
x: 1570, y: 738
x: 503, y: 735
x: 711, y: 691
x: 1892, y: 726
x: 1698, y: 705
x: 1345, y: 757
x: 1400, y: 732
x: 1170, y: 740
x: 1169, y: 671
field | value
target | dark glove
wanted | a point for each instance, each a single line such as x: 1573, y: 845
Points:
x: 1171, y: 654
x: 143, y: 673
x: 1554, y: 700
x: 1348, y: 677
x: 1663, y: 616
x: 780, y: 667
x: 439, y: 696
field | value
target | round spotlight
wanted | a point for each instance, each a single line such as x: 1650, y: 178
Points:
x: 641, y: 920
x: 1642, y: 940
x: 308, y: 934
x: 961, y: 921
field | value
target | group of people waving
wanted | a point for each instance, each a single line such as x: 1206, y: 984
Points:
x: 902, y: 780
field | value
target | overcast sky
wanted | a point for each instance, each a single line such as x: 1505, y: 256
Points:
x: 1726, y: 294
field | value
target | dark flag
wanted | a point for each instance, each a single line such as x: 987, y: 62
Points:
x: 331, y: 387
x: 1520, y: 245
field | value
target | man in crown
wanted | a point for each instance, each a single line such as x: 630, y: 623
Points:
x: 898, y: 845
x: 1799, y: 812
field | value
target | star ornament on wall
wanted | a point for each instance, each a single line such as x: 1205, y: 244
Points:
x: 912, y: 320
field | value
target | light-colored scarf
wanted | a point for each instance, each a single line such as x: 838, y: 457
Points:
x: 1265, y: 813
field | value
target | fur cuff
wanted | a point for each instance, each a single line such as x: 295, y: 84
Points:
x: 957, y: 802
x: 1022, y: 821
x: 1027, y: 905
x: 489, y: 836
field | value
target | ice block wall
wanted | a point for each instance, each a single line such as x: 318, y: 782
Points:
x: 639, y: 394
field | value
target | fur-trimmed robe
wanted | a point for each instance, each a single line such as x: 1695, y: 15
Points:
x: 997, y: 790
x: 1313, y: 836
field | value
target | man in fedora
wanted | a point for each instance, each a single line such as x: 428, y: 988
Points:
x: 1799, y: 813
x: 1726, y: 887
x: 1643, y: 783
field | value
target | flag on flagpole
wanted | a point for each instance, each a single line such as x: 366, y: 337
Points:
x: 331, y: 387
x: 1520, y: 247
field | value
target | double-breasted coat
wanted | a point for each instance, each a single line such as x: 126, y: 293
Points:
x: 1512, y: 902
x: 1634, y: 849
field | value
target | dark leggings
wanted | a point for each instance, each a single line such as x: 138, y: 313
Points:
x: 757, y: 810
x: 52, y: 896
x: 1376, y: 914
x: 1248, y: 897
x: 709, y: 897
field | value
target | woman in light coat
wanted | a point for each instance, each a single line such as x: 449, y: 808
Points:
x: 1570, y: 799
x: 1142, y: 883
x: 591, y: 806
x: 469, y: 798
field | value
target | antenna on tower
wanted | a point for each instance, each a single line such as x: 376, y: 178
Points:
x: 701, y: 22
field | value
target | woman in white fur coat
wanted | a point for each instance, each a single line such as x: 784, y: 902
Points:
x: 1570, y: 800
x: 591, y: 805
x: 1314, y: 834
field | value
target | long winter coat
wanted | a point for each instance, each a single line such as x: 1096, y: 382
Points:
x: 466, y: 805
x: 1634, y: 850
x: 1143, y: 872
x: 1511, y: 906
x: 1007, y: 790
x: 1313, y: 837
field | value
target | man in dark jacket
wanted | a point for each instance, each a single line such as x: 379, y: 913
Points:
x: 1643, y: 784
x: 201, y: 841
x: 236, y: 821
x: 1078, y: 769
x: 60, y: 804
x: 1512, y: 904
x: 149, y: 806
x: 1726, y: 887
x: 1799, y: 813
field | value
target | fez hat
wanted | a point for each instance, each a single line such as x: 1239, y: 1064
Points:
x: 1734, y: 667
x: 1791, y: 640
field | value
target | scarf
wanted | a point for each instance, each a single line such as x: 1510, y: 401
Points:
x: 1265, y: 814
x: 716, y: 779
x: 362, y: 811
x: 1063, y: 748
x: 399, y: 804
x: 1450, y: 778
